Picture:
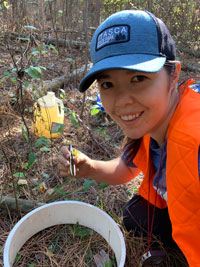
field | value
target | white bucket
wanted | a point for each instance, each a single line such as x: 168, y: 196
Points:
x: 65, y: 212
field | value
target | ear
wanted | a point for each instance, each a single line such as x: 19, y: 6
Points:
x: 174, y: 77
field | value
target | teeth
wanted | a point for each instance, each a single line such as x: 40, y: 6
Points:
x: 130, y: 117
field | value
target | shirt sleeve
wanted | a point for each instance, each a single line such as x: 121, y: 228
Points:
x: 124, y: 156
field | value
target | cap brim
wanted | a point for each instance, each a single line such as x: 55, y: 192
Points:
x: 137, y: 62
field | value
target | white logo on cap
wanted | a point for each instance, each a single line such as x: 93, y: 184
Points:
x: 115, y: 34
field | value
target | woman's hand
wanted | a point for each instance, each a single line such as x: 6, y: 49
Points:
x: 113, y: 171
x: 83, y: 163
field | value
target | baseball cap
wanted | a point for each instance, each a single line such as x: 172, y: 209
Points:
x: 132, y: 40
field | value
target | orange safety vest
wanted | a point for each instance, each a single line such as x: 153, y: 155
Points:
x: 182, y: 174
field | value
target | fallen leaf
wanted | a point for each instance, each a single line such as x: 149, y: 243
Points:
x: 22, y: 182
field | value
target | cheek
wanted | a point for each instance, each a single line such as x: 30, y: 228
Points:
x: 106, y: 102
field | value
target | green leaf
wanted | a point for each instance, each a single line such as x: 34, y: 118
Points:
x: 7, y: 73
x: 5, y: 3
x: 62, y: 91
x: 35, y: 52
x: 102, y: 186
x: 31, y: 160
x: 19, y: 174
x: 26, y: 84
x: 44, y: 52
x: 30, y: 27
x: 94, y: 111
x: 108, y: 137
x: 53, y: 48
x: 23, y: 39
x: 45, y: 149
x: 1, y: 157
x: 97, y: 130
x: 62, y: 94
x: 81, y: 231
x: 60, y: 191
x: 31, y: 265
x: 46, y: 175
x: 102, y: 132
x: 13, y: 79
x: 42, y: 141
x: 88, y: 184
x: 33, y: 72
x: 74, y: 121
x: 38, y: 69
x: 42, y: 67
x: 92, y: 28
x: 108, y: 264
x: 69, y: 59
x: 18, y: 256
x: 24, y: 133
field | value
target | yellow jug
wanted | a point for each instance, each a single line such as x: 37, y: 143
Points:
x: 48, y: 116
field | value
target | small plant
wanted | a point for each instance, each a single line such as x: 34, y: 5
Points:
x: 82, y: 231
x: 35, y: 72
x: 73, y: 119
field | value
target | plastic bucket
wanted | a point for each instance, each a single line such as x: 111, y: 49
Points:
x: 65, y: 212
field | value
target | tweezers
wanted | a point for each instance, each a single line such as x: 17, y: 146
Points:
x: 72, y: 166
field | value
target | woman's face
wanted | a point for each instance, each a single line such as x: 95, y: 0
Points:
x: 140, y: 103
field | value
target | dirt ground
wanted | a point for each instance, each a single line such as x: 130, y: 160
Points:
x: 96, y: 135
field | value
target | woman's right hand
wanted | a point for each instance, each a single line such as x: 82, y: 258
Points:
x: 83, y: 163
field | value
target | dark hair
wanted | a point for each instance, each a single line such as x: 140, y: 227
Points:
x: 170, y: 67
x: 130, y: 146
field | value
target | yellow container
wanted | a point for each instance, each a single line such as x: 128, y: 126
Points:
x: 48, y: 116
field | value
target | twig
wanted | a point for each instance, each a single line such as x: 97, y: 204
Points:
x: 20, y: 74
x: 93, y: 137
x: 86, y: 57
x: 53, y: 24
x: 13, y: 183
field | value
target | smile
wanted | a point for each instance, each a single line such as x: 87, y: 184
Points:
x: 131, y: 117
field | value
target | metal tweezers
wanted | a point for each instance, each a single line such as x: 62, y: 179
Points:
x: 72, y: 166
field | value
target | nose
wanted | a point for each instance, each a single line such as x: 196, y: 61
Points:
x: 123, y: 98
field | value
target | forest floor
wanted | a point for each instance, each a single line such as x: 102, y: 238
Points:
x: 96, y: 135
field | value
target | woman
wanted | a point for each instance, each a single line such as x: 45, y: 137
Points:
x: 134, y: 64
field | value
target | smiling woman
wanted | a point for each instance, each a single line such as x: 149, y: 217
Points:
x: 134, y: 63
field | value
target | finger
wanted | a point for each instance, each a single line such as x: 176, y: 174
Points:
x: 61, y: 167
x: 62, y: 160
x: 65, y: 152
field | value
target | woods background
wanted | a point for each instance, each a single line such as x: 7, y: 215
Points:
x: 44, y: 46
x: 74, y: 19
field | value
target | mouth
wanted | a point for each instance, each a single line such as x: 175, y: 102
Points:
x: 131, y: 117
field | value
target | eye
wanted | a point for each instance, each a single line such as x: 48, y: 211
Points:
x: 105, y: 85
x: 139, y: 78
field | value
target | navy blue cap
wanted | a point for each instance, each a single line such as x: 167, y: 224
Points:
x: 131, y: 40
